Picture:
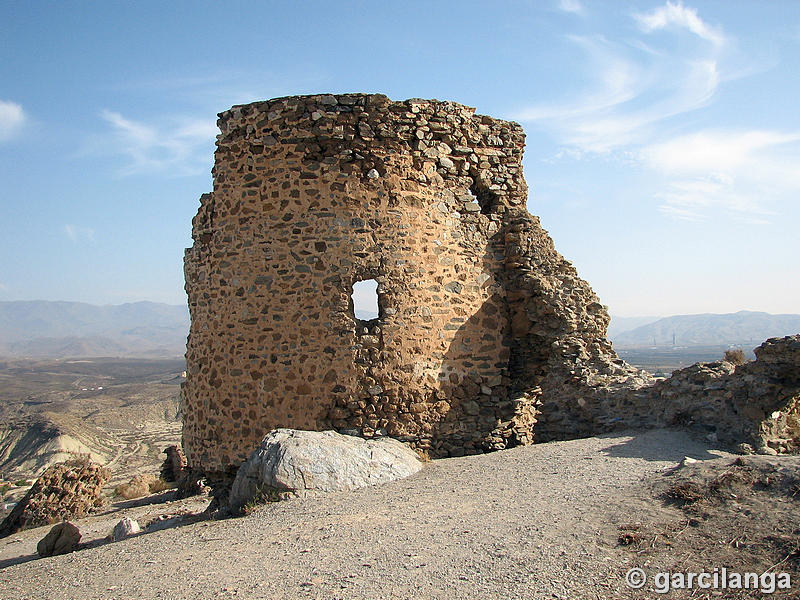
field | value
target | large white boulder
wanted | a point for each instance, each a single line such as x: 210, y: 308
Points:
x: 298, y: 461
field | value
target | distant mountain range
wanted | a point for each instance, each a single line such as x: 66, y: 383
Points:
x: 42, y: 329
x: 621, y: 324
x: 743, y: 327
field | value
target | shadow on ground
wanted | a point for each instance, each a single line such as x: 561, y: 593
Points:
x: 160, y: 523
x: 645, y: 445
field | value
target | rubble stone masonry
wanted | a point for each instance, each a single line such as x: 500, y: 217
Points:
x: 483, y: 331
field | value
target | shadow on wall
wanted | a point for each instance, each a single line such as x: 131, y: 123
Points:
x: 474, y: 371
x: 474, y: 378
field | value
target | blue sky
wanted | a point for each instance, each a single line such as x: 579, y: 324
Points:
x: 663, y: 148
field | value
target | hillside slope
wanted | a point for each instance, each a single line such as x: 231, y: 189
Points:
x: 123, y: 412
x: 743, y: 327
x: 620, y: 325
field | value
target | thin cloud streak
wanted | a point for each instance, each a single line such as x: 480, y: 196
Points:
x: 78, y: 233
x: 739, y: 172
x: 618, y: 112
x: 718, y: 151
x: 180, y: 148
x: 12, y: 119
x: 571, y: 6
x: 617, y: 83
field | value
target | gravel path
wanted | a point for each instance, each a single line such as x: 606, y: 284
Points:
x: 535, y: 522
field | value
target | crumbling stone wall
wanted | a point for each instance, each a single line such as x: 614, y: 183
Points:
x: 757, y: 403
x: 484, y: 331
x: 312, y: 194
x: 68, y: 490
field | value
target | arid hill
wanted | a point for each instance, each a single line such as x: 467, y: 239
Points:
x: 123, y: 412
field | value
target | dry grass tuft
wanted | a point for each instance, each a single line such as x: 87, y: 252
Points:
x: 159, y: 485
x: 424, y: 455
x: 263, y: 496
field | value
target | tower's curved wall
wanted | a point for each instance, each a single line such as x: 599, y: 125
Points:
x: 314, y: 193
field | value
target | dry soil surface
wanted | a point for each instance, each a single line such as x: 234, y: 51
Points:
x: 536, y: 522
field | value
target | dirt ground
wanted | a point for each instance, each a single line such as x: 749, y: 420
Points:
x: 742, y: 514
x: 562, y: 520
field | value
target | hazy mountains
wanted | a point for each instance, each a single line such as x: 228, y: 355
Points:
x: 743, y: 327
x: 43, y: 329
x: 60, y: 329
x: 621, y: 324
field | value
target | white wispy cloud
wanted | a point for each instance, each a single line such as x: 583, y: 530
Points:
x: 635, y: 85
x: 715, y: 151
x: 78, y: 233
x: 748, y: 173
x: 571, y: 6
x: 704, y: 198
x: 181, y: 147
x: 617, y: 82
x: 678, y: 15
x: 12, y: 119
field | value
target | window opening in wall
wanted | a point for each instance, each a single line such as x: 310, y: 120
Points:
x: 485, y: 198
x: 365, y: 300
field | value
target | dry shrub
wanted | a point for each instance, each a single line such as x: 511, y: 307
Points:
x: 629, y: 535
x: 263, y: 495
x: 139, y: 486
x: 629, y: 538
x: 78, y: 460
x: 739, y: 474
x: 159, y: 485
x: 735, y: 356
x: 686, y: 493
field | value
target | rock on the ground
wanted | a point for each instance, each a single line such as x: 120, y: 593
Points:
x: 69, y: 490
x: 61, y: 539
x: 174, y: 465
x: 175, y: 469
x: 296, y: 461
x: 125, y: 528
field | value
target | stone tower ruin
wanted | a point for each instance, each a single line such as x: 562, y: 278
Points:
x: 483, y: 329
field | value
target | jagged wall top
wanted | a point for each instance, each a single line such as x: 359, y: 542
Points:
x: 448, y: 139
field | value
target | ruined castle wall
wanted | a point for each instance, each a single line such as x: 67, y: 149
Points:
x: 485, y: 332
x: 757, y: 403
x: 311, y: 195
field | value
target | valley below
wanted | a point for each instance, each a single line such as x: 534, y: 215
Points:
x: 122, y: 412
